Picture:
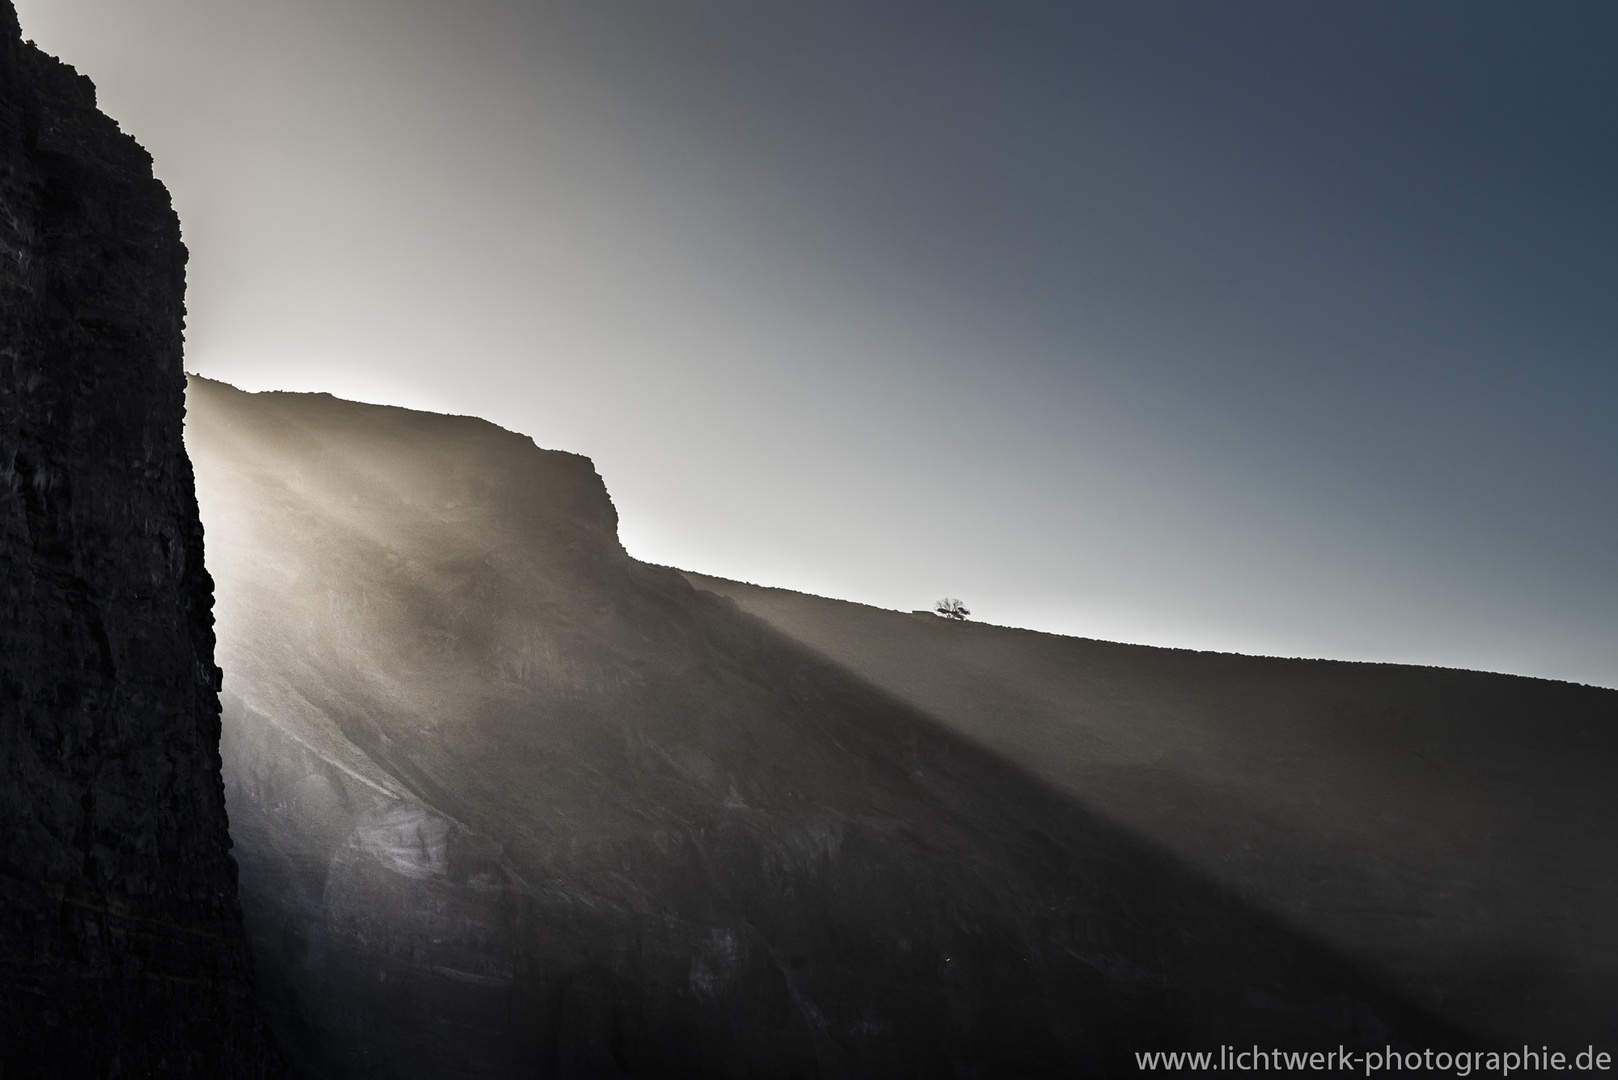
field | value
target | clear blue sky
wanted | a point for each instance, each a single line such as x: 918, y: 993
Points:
x: 1271, y: 327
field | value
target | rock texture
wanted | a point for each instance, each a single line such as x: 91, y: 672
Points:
x: 121, y: 943
x: 510, y: 803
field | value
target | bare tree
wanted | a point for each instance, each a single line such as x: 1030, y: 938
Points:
x: 951, y: 608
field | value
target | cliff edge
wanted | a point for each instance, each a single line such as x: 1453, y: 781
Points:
x: 121, y: 943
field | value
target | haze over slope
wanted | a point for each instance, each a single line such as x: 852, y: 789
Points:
x: 508, y: 802
x: 1456, y: 830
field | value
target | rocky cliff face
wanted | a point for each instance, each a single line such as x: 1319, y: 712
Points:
x: 121, y: 945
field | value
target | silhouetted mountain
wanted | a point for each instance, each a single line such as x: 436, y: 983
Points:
x: 508, y: 802
x: 121, y: 943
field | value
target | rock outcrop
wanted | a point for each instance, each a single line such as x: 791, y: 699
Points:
x: 121, y: 943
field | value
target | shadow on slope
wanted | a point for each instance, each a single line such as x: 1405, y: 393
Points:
x: 507, y: 802
x: 1453, y: 830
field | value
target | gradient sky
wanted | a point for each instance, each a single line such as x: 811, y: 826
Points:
x: 1270, y: 327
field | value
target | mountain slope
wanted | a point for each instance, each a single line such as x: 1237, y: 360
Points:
x: 508, y: 802
x: 1456, y: 831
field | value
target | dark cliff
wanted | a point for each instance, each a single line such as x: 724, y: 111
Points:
x: 121, y: 943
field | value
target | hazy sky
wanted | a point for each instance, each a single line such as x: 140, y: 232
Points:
x: 1274, y: 327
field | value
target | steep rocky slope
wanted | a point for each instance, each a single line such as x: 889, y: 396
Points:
x: 1456, y: 831
x: 510, y: 803
x: 121, y: 943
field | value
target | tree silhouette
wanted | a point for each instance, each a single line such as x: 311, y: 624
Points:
x: 951, y: 608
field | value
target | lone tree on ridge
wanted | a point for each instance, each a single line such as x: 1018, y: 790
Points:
x: 951, y: 608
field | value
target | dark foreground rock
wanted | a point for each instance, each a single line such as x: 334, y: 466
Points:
x: 510, y: 803
x: 121, y: 943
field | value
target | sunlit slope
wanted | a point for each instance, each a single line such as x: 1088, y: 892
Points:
x: 508, y: 803
x: 1456, y: 831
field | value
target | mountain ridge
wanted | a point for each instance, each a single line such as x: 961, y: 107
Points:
x: 593, y: 820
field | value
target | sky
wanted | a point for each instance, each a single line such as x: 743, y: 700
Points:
x: 1252, y: 326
